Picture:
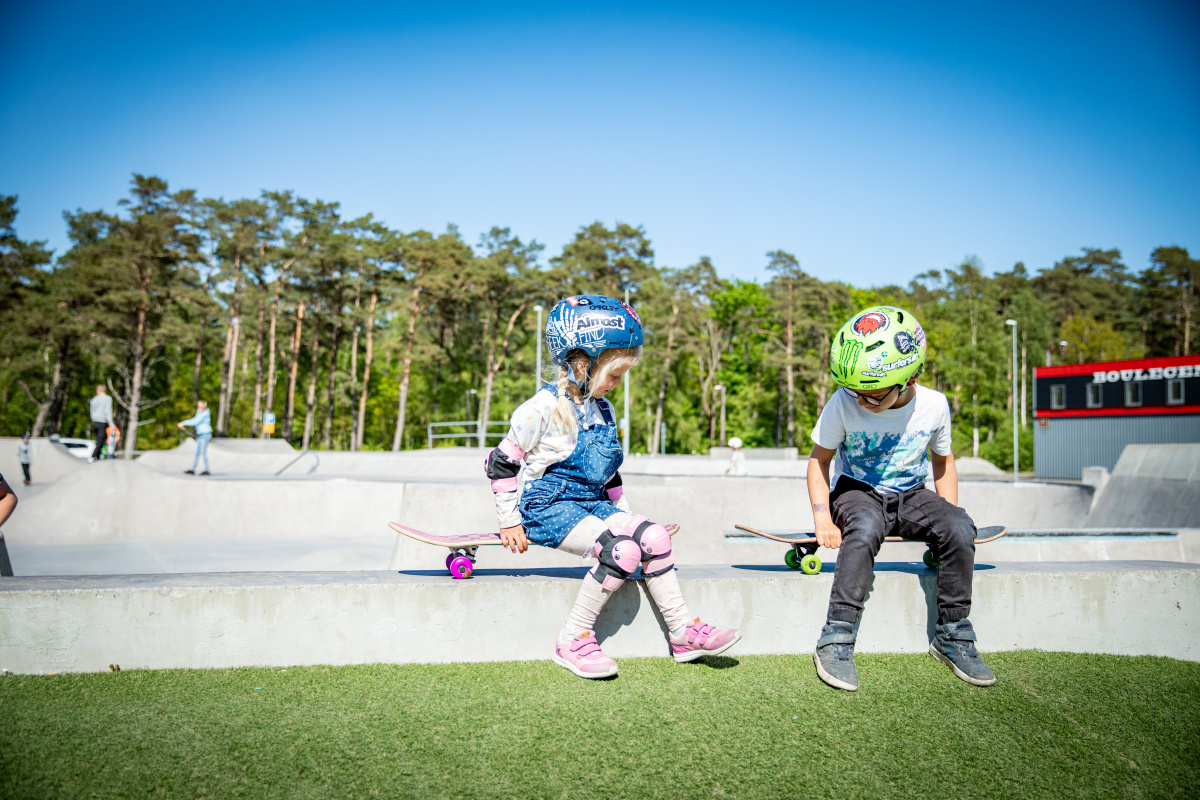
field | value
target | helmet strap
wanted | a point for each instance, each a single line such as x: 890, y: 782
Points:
x: 587, y: 380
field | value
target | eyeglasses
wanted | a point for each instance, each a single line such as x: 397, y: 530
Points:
x: 871, y: 401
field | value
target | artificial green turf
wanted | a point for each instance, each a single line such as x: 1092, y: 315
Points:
x: 1054, y: 725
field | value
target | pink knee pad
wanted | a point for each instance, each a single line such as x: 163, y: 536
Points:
x: 616, y: 556
x: 655, y: 544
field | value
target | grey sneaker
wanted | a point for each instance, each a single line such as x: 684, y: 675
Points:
x: 834, y: 656
x: 954, y: 645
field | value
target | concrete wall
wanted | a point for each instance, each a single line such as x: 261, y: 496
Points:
x: 280, y: 619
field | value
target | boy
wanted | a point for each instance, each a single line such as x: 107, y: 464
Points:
x: 25, y: 455
x: 885, y: 431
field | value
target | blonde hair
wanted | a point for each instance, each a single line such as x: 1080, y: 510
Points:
x: 569, y: 395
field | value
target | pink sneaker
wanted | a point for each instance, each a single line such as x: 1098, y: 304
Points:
x: 700, y: 640
x: 583, y: 656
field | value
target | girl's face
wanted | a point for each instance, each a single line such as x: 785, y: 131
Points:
x: 611, y: 382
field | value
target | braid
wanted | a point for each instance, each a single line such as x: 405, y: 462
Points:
x: 564, y: 409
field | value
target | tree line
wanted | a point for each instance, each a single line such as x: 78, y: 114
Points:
x: 357, y: 336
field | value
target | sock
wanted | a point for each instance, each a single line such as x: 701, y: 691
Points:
x: 590, y: 600
x: 664, y: 590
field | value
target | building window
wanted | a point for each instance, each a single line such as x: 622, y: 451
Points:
x: 1058, y: 395
x: 1095, y: 395
x: 1133, y: 393
x: 1175, y: 392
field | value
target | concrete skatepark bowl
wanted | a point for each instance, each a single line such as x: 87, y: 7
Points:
x: 277, y: 515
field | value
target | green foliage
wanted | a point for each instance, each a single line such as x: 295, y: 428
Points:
x: 277, y: 304
x: 1054, y: 725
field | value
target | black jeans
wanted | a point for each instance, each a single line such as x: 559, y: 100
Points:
x: 101, y: 429
x: 25, y: 469
x: 866, y: 517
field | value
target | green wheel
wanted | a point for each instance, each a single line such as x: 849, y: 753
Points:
x: 810, y: 564
x: 930, y: 559
x: 791, y: 559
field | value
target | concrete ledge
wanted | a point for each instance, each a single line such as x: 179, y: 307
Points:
x: 227, y: 620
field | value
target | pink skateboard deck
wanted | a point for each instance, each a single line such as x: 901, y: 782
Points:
x: 803, y: 555
x: 461, y: 561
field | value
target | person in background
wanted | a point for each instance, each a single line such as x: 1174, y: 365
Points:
x: 25, y: 455
x: 101, y: 410
x: 112, y: 441
x: 737, y: 460
x: 202, y: 421
x: 8, y: 502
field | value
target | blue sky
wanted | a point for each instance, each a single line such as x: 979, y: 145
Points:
x: 872, y: 141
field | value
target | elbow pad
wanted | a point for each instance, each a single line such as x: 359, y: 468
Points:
x: 502, y: 465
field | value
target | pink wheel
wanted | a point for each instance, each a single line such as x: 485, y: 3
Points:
x: 453, y: 555
x: 461, y: 568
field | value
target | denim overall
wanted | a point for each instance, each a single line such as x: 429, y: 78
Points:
x: 572, y: 489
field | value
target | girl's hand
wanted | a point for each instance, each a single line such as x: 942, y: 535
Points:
x: 179, y: 425
x: 514, y: 538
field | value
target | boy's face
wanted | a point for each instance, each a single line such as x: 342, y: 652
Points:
x: 876, y: 400
x: 611, y: 382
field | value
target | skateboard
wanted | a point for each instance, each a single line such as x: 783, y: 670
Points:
x: 803, y: 555
x: 461, y: 561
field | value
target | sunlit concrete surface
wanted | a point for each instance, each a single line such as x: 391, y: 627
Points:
x: 286, y: 618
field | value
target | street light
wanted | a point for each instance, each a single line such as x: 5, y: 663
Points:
x: 625, y: 419
x: 720, y: 387
x: 537, y: 336
x: 1016, y: 430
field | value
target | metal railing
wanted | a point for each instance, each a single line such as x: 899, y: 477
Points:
x: 471, y: 434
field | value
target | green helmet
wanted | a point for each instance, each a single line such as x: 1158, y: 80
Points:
x: 878, y: 347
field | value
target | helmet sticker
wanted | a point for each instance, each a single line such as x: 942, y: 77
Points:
x: 870, y: 322
x: 904, y: 362
x: 904, y: 342
x: 920, y: 335
x: 629, y: 309
x: 875, y: 362
x: 848, y: 354
x: 573, y: 301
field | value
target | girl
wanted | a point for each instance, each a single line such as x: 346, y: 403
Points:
x: 556, y: 484
x: 203, y: 423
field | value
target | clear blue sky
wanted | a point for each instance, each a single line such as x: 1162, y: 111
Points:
x: 873, y: 140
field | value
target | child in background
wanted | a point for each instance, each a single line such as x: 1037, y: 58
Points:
x: 25, y: 455
x: 885, y: 431
x: 737, y: 459
x: 556, y: 484
x: 203, y: 422
x: 113, y: 438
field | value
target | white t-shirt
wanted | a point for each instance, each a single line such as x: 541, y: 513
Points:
x: 885, y: 449
x: 544, y: 444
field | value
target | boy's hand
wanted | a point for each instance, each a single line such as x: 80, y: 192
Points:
x: 828, y: 534
x: 514, y: 538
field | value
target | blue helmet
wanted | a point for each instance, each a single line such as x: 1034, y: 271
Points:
x: 592, y: 323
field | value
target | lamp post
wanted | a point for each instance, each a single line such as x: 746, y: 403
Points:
x: 720, y: 387
x: 537, y: 337
x: 1016, y: 430
x: 625, y: 419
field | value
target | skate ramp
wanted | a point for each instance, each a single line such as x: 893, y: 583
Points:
x: 240, y: 456
x: 1151, y: 485
x: 51, y: 461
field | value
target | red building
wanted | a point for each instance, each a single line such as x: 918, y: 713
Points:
x: 1086, y: 413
